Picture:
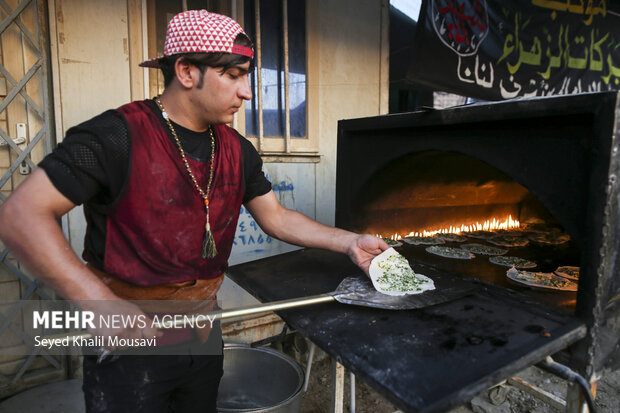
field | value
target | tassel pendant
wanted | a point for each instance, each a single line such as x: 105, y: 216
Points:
x: 208, y: 244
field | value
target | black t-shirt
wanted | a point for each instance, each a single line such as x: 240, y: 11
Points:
x: 91, y: 166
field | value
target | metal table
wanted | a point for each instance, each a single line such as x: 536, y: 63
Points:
x: 426, y: 360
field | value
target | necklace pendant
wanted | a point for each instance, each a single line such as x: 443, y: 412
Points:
x: 208, y: 245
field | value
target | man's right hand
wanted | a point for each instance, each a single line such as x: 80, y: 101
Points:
x: 119, y: 318
x: 29, y: 228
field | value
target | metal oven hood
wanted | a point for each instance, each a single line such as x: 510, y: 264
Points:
x: 563, y: 150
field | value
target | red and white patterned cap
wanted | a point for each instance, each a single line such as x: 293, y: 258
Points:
x: 199, y: 31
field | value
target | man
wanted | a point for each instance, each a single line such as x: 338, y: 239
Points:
x: 162, y: 182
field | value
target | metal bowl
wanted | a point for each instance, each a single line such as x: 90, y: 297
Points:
x: 259, y: 380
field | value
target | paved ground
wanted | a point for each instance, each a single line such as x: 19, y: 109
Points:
x: 509, y: 400
x: 66, y: 396
x: 60, y: 397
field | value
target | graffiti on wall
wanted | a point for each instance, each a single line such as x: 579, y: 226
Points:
x: 249, y: 237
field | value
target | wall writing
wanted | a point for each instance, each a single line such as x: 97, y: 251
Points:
x: 494, y: 50
x: 249, y: 237
x: 249, y: 234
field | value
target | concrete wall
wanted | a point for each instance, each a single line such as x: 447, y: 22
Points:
x: 353, y: 79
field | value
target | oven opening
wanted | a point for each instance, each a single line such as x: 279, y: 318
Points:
x: 422, y: 197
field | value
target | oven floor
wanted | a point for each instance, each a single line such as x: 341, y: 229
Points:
x: 547, y: 257
x: 425, y: 360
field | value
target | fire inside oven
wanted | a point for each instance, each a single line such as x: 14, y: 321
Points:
x: 434, y: 192
x: 434, y: 200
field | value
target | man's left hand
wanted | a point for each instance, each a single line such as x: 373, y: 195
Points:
x: 364, y: 248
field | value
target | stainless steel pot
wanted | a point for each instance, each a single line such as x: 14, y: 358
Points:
x: 259, y: 380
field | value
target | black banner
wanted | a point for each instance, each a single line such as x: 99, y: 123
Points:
x: 490, y: 49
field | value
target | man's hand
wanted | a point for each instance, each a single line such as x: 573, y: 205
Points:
x: 126, y: 321
x: 364, y: 248
x: 295, y: 228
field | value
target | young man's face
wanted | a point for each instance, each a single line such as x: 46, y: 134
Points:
x: 222, y: 93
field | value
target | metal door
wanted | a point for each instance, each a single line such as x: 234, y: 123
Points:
x: 25, y: 138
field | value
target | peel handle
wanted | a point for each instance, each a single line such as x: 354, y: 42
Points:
x: 232, y: 313
x: 273, y: 306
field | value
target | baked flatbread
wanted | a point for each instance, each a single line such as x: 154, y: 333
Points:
x: 450, y: 252
x: 423, y: 240
x: 484, y: 249
x: 451, y: 237
x: 572, y: 273
x: 550, y: 238
x: 542, y: 280
x: 480, y: 234
x: 392, y: 243
x: 511, y: 232
x: 509, y: 241
x: 508, y: 261
x: 391, y: 274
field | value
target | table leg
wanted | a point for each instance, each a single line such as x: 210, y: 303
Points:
x: 337, y: 402
x: 352, y: 387
x: 309, y: 365
x: 575, y: 402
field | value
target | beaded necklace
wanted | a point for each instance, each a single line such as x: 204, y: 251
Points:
x: 208, y: 244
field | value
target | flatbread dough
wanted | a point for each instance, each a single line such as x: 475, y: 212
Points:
x: 541, y: 280
x: 484, y: 249
x: 508, y: 261
x: 391, y: 274
x: 423, y: 240
x: 450, y: 252
x: 572, y: 273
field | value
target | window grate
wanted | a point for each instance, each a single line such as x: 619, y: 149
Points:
x: 259, y: 78
x: 278, y: 106
x: 287, y: 108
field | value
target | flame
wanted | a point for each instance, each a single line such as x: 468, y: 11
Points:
x: 488, y: 225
